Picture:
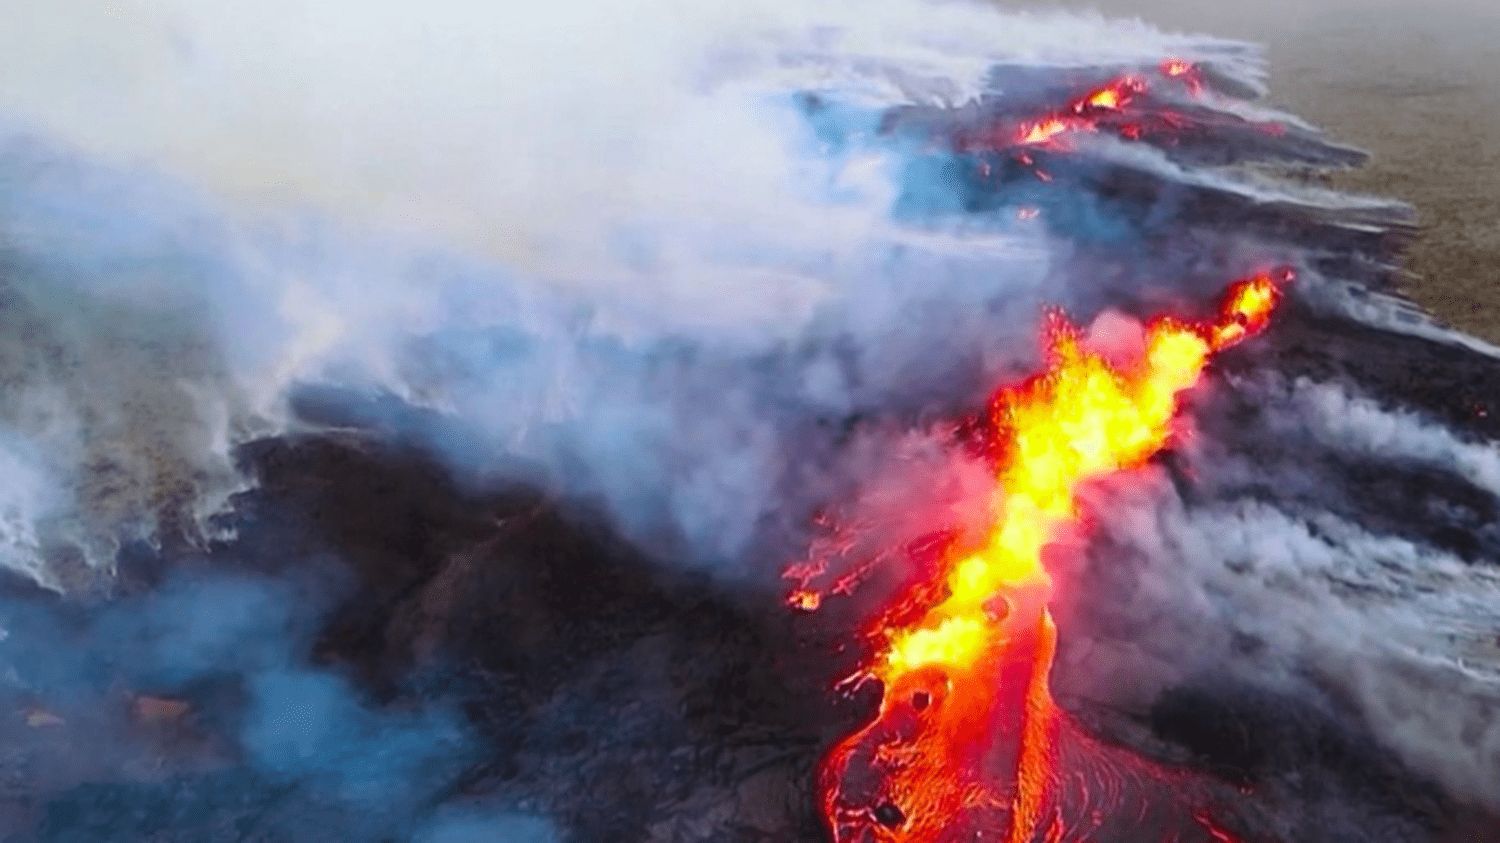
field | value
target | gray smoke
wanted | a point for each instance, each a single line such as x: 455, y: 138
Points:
x: 608, y: 244
x: 710, y: 271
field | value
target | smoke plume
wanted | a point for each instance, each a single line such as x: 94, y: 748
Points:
x: 715, y: 276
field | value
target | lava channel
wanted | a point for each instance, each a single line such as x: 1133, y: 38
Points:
x: 968, y: 743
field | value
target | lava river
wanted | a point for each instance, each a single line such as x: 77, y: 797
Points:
x: 968, y: 743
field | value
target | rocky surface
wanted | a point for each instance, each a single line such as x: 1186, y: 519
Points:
x: 618, y: 698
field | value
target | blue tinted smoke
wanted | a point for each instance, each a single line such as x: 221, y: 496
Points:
x: 297, y: 747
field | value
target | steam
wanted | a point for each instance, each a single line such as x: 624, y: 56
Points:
x: 1289, y: 592
x: 670, y: 259
x: 1361, y: 426
x: 606, y: 242
x: 308, y: 743
x: 421, y: 120
x: 23, y: 504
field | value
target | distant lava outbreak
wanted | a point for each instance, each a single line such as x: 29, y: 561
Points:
x: 1105, y: 108
x: 968, y: 743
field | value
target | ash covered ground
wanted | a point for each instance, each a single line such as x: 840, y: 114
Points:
x: 408, y: 418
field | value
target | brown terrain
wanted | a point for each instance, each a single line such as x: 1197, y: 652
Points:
x: 1415, y: 84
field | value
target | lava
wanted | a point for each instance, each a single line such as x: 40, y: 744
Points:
x: 1084, y: 114
x: 1081, y: 114
x: 805, y: 600
x: 1184, y: 70
x: 967, y: 742
x: 1167, y: 106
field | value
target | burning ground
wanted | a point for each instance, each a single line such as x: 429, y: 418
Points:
x: 912, y: 422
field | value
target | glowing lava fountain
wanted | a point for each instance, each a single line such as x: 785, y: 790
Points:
x: 968, y: 743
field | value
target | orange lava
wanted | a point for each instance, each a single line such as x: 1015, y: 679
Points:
x: 1186, y: 70
x: 1081, y: 114
x: 1100, y: 110
x: 805, y: 600
x: 965, y: 744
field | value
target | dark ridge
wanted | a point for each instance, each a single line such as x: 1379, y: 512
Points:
x: 1446, y: 382
x: 567, y: 650
x: 1384, y: 494
x: 622, y: 699
x: 1293, y: 749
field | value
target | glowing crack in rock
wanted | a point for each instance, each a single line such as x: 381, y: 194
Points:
x: 1106, y: 108
x: 967, y: 743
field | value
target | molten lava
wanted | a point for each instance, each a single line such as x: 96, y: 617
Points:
x: 1185, y: 70
x: 967, y: 742
x: 1157, y: 105
x: 1081, y: 115
x: 1095, y: 110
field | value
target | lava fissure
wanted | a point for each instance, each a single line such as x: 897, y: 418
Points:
x: 968, y: 742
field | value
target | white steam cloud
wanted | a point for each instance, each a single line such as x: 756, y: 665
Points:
x: 603, y: 236
x: 1295, y: 597
x: 604, y: 247
x: 532, y: 132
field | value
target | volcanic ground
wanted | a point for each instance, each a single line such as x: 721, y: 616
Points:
x: 317, y: 531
